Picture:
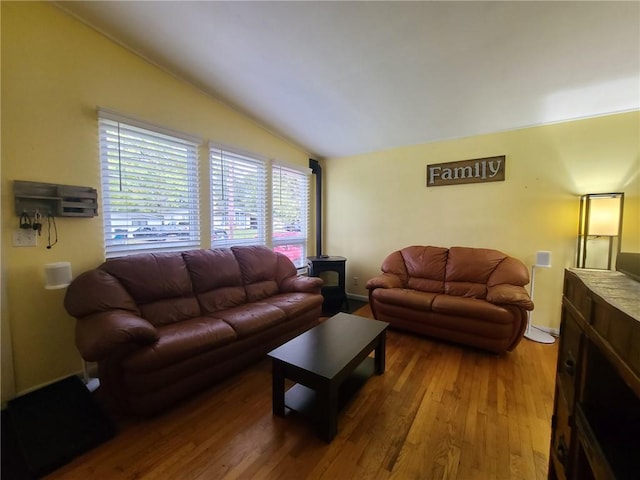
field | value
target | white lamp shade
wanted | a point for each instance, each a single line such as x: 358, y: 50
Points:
x: 604, y: 216
x: 57, y: 275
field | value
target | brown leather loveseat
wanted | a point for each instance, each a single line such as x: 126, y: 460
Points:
x: 472, y: 296
x: 162, y: 326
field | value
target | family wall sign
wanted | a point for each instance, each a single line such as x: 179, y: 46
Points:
x: 479, y: 170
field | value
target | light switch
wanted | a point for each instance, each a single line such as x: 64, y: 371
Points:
x: 25, y: 237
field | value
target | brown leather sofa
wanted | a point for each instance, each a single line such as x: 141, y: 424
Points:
x: 472, y: 296
x: 163, y: 326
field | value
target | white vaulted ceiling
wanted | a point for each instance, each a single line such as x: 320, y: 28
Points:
x: 343, y: 78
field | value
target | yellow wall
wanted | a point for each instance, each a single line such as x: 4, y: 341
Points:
x: 55, y: 72
x: 377, y: 203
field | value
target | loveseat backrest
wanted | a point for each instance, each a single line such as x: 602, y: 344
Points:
x: 511, y: 271
x: 459, y: 271
x: 425, y: 267
x: 469, y: 269
x: 216, y: 278
x: 159, y: 283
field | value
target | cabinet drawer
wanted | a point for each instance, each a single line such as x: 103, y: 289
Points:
x: 561, y: 437
x: 569, y: 356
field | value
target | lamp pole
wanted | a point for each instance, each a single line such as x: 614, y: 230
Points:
x: 534, y: 333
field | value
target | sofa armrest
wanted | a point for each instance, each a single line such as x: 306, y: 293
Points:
x: 301, y: 284
x: 505, y: 294
x: 99, y: 334
x: 386, y: 280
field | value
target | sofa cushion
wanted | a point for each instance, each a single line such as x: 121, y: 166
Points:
x: 261, y: 290
x: 401, y: 296
x: 471, y: 308
x: 295, y: 304
x: 179, y: 341
x: 221, y: 299
x: 258, y: 265
x: 170, y: 310
x: 216, y: 277
x: 252, y: 317
x: 212, y: 269
x: 468, y: 271
x: 159, y: 283
x: 150, y: 276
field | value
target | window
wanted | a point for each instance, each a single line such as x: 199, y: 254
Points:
x: 290, y: 205
x: 238, y: 199
x: 150, y: 194
x: 151, y: 200
x: 248, y: 209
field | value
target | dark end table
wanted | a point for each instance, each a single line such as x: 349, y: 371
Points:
x: 329, y: 363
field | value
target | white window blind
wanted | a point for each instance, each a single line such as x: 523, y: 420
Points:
x: 150, y: 189
x: 290, y: 212
x: 238, y: 199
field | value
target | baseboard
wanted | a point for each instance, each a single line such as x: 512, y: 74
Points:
x: 360, y: 298
x: 551, y: 331
x: 45, y: 384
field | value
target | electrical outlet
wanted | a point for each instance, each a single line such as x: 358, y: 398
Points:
x: 356, y: 281
x: 25, y: 237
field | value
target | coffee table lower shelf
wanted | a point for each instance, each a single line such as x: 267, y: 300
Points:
x: 302, y: 399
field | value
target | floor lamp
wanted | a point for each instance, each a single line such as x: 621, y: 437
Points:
x: 600, y: 222
x: 543, y: 259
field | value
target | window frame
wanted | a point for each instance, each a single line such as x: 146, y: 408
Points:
x: 129, y: 229
x: 235, y: 171
x: 292, y: 238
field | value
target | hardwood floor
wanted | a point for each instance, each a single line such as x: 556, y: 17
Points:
x: 439, y: 412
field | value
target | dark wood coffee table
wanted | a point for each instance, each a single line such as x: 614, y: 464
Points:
x: 328, y: 362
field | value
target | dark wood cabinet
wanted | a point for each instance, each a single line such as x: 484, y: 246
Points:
x: 596, y: 419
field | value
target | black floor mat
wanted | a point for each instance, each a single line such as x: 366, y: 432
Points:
x: 13, y: 465
x: 54, y: 424
x: 354, y: 305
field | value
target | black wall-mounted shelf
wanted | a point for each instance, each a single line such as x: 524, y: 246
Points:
x: 54, y: 199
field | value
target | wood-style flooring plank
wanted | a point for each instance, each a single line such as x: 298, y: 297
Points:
x: 440, y: 411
